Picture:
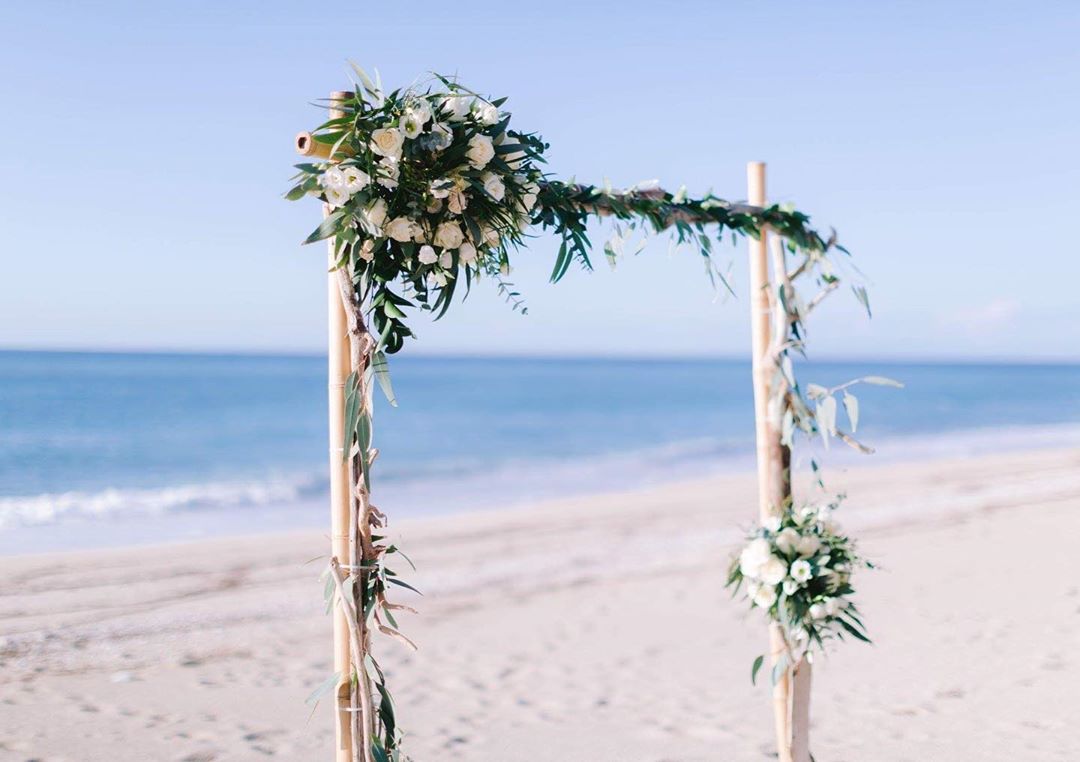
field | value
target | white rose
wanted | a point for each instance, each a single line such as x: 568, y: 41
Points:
x: 376, y: 214
x: 400, y: 229
x: 492, y: 236
x: 448, y: 235
x: 756, y: 553
x: 764, y: 596
x: 817, y: 611
x: 332, y: 178
x: 773, y: 571
x: 528, y: 201
x: 480, y: 152
x: 446, y: 259
x: 389, y: 174
x: 427, y: 256
x: 411, y: 125
x: 420, y: 233
x: 485, y: 113
x: 808, y: 545
x: 787, y: 540
x: 441, y: 188
x: 336, y: 196
x: 467, y: 253
x: 387, y: 142
x: 355, y: 179
x: 367, y: 250
x: 457, y: 201
x: 801, y: 571
x: 772, y: 523
x: 493, y: 184
x: 457, y: 106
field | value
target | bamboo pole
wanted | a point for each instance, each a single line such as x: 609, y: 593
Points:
x: 773, y: 459
x: 340, y: 502
x: 800, y: 712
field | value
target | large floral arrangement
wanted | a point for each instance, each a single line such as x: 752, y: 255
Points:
x: 798, y: 570
x: 428, y: 188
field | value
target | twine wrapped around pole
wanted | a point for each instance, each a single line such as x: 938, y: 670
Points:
x: 773, y: 458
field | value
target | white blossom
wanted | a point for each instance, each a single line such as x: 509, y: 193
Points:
x: 764, y: 596
x: 427, y: 256
x: 485, y: 113
x: 480, y: 151
x: 773, y: 571
x: 817, y: 611
x: 753, y: 556
x: 457, y: 106
x: 493, y: 185
x: 446, y: 259
x: 808, y: 545
x: 376, y: 214
x: 387, y: 142
x: 457, y: 201
x: 401, y: 229
x: 367, y: 250
x: 411, y: 124
x: 448, y: 235
x: 332, y: 178
x: 801, y: 571
x: 355, y: 179
x: 467, y: 253
x: 336, y: 196
x: 390, y: 173
x: 787, y: 540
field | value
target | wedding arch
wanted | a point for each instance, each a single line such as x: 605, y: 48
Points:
x: 429, y: 186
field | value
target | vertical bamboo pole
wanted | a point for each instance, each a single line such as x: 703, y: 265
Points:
x: 340, y: 503
x: 773, y: 459
x: 800, y: 712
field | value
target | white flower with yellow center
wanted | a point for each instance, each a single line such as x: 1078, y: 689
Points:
x: 801, y: 571
x: 332, y: 178
x: 411, y: 125
x: 355, y: 179
x: 336, y: 196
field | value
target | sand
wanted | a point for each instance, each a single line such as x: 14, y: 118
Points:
x: 594, y: 628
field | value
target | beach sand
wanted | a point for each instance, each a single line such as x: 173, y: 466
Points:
x: 587, y: 629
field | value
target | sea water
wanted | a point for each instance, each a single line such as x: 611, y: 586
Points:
x: 110, y: 449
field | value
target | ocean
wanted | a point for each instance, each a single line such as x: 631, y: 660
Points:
x: 104, y: 449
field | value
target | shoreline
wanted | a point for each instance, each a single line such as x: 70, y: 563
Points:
x: 543, y: 630
x: 297, y: 516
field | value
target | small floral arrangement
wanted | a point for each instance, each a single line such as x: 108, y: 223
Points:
x: 798, y: 569
x: 427, y: 188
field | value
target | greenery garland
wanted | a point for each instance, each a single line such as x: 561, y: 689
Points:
x: 427, y: 187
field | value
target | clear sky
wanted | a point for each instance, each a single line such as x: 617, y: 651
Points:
x: 145, y: 147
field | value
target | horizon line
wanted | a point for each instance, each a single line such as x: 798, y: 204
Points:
x: 584, y: 355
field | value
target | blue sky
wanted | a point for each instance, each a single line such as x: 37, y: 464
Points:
x: 145, y: 147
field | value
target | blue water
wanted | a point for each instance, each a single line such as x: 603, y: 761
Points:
x: 134, y: 447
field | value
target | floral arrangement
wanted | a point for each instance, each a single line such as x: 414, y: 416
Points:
x: 797, y: 570
x: 426, y: 190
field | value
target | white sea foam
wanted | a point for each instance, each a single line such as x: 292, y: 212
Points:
x: 111, y: 503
